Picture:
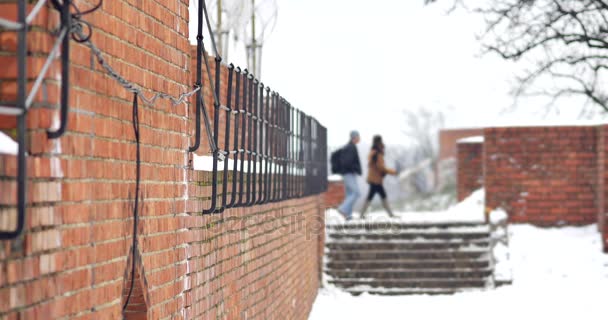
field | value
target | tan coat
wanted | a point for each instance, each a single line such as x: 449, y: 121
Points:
x: 377, y: 171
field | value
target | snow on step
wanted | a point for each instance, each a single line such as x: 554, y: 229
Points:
x: 406, y: 254
x: 410, y: 273
x: 393, y: 257
x: 406, y: 264
x: 409, y: 235
x: 412, y: 283
x: 399, y: 224
x: 357, y: 290
x: 351, y: 244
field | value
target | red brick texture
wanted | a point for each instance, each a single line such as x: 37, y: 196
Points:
x: 74, y: 258
x: 254, y: 263
x: 335, y: 194
x: 542, y: 175
x: 470, y: 168
x: 448, y: 140
x: 602, y: 183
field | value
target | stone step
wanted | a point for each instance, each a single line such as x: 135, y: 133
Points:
x: 407, y: 264
x: 431, y: 283
x: 372, y: 226
x: 482, y: 244
x: 407, y: 291
x: 386, y: 274
x: 352, y: 236
x: 425, y: 255
x: 404, y: 258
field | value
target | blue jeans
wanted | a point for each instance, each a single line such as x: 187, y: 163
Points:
x: 352, y: 194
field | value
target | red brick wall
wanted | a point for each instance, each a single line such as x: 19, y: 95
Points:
x: 335, y: 194
x: 253, y: 263
x: 448, y: 139
x: 470, y: 168
x: 602, y: 192
x: 542, y: 175
x: 74, y: 257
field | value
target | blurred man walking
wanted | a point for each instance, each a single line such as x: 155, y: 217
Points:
x: 350, y: 168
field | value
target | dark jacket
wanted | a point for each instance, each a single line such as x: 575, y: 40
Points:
x: 349, y: 159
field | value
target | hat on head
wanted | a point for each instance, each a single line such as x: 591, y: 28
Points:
x: 354, y: 134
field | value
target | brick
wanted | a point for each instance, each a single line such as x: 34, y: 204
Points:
x: 79, y: 225
x: 470, y: 168
x: 555, y: 167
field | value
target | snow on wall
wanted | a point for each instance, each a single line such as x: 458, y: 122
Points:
x: 475, y: 139
x: 7, y: 145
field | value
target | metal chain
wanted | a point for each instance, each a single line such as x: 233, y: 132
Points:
x: 130, y: 86
x: 80, y: 36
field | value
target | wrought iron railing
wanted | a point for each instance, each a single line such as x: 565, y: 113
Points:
x: 19, y: 110
x: 278, y: 151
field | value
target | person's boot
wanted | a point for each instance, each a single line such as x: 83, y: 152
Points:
x: 387, y: 208
x: 363, y: 209
x: 344, y: 215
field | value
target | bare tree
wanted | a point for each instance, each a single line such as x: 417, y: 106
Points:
x: 567, y: 41
x: 421, y: 128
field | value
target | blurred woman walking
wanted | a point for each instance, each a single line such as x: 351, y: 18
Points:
x: 375, y: 175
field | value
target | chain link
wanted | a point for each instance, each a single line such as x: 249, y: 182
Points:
x: 128, y: 85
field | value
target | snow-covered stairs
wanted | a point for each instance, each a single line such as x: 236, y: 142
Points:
x: 405, y: 258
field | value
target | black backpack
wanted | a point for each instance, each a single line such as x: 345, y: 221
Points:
x: 336, y: 165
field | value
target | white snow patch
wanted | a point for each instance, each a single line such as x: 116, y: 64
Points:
x: 413, y: 230
x: 205, y: 163
x: 558, y: 273
x: 503, y: 267
x: 8, y: 145
x: 475, y: 139
x: 472, y: 244
x: 334, y: 178
x: 469, y: 210
x: 498, y: 216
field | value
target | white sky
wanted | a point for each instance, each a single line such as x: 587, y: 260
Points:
x: 357, y: 64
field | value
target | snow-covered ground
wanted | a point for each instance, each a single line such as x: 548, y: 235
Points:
x: 7, y: 145
x: 558, y: 273
x: 469, y: 210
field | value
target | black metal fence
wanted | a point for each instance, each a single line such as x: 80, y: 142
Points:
x: 21, y: 106
x: 277, y: 151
